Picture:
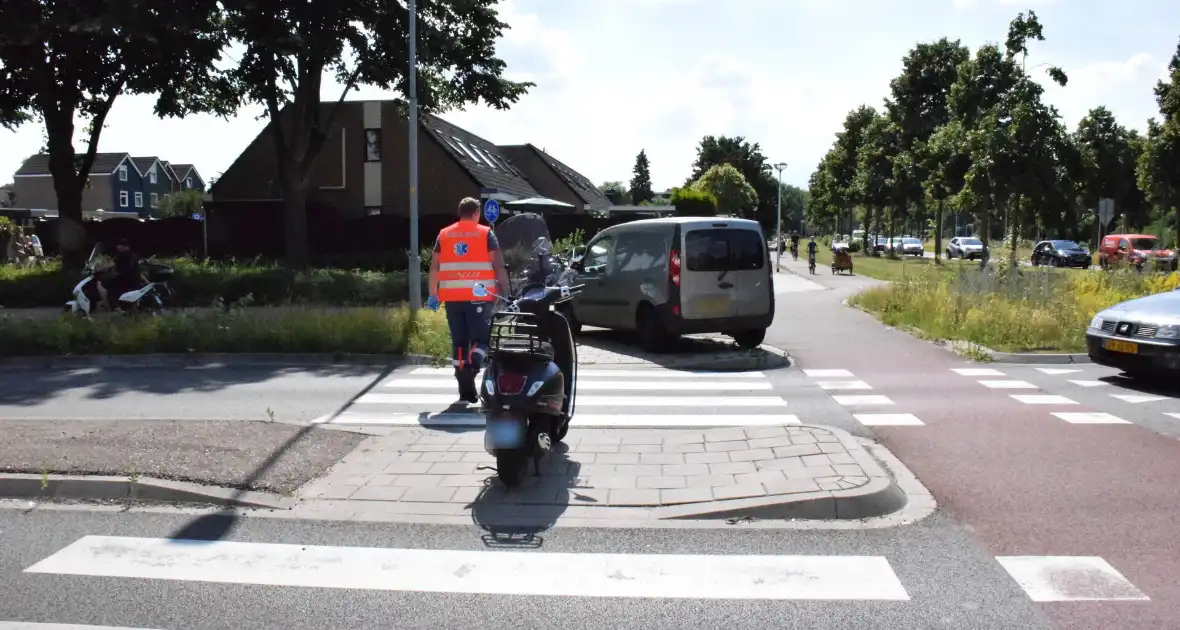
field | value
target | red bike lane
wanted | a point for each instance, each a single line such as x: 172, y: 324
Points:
x: 1026, y: 482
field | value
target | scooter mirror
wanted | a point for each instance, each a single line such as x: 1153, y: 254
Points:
x: 480, y: 290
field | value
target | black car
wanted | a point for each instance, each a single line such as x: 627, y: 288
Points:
x: 1061, y: 254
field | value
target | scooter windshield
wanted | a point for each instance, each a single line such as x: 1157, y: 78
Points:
x: 528, y: 251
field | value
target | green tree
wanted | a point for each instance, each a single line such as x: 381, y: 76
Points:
x: 289, y: 45
x: 844, y: 163
x: 65, y: 60
x: 749, y: 161
x: 918, y: 107
x: 1159, y: 164
x: 180, y: 204
x: 1109, y: 155
x: 735, y: 196
x: 617, y: 193
x: 641, y: 181
x: 690, y: 202
x: 794, y: 200
x: 876, y: 181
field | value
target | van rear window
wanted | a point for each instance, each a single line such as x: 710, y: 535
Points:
x: 724, y: 250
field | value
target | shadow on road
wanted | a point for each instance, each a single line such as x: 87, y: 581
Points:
x: 515, y: 517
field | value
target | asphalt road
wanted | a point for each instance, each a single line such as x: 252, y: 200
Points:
x: 1025, y: 481
x: 949, y: 582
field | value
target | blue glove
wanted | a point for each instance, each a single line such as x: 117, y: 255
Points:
x: 432, y: 303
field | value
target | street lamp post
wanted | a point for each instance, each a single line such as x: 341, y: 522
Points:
x: 778, y: 230
x: 415, y: 270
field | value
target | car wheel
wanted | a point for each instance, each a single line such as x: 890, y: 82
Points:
x: 749, y: 339
x: 1056, y: 262
x: 653, y: 336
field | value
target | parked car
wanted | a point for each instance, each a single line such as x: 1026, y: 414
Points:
x: 674, y: 276
x: 1140, y: 250
x: 909, y: 246
x: 1140, y: 336
x: 1061, y: 254
x: 967, y: 247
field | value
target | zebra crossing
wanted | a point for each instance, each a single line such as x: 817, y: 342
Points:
x: 607, y: 398
x: 577, y: 575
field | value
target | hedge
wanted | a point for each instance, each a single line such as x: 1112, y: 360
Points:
x: 202, y: 283
x: 694, y: 203
x: 297, y: 329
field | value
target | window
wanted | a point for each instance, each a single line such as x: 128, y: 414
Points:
x: 372, y: 145
x: 155, y: 200
x: 188, y: 183
x: 724, y: 250
x: 640, y: 251
x: 122, y: 172
x: 373, y: 211
x: 122, y: 198
x: 598, y: 254
x: 138, y: 200
x: 152, y: 175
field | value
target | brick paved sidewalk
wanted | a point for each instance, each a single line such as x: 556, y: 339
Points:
x: 671, y: 473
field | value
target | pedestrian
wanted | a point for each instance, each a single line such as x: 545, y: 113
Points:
x: 467, y: 253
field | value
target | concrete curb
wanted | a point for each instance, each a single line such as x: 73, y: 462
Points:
x: 1031, y: 358
x: 106, y: 488
x: 201, y: 359
x: 878, y: 497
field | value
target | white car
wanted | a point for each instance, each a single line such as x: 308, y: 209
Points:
x: 911, y: 247
x: 967, y: 247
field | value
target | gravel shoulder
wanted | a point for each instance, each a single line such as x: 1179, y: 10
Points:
x: 264, y: 456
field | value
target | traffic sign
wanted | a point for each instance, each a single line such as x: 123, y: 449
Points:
x: 1105, y: 211
x: 491, y: 210
x: 197, y: 216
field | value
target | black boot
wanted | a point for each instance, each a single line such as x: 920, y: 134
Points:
x: 467, y: 390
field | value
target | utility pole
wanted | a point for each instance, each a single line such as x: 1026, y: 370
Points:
x: 778, y: 230
x: 415, y: 269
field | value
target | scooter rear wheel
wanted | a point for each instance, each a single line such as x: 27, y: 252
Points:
x: 511, y: 467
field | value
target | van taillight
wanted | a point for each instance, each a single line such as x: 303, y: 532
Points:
x: 510, y: 384
x: 674, y: 267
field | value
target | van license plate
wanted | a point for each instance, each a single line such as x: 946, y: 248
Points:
x: 1126, y: 347
x: 713, y: 306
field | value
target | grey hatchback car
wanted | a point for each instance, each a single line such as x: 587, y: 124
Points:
x: 1140, y: 336
x: 664, y: 278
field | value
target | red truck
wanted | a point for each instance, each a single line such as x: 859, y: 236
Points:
x: 1142, y: 250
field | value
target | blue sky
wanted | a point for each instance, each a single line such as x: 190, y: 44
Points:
x: 617, y: 76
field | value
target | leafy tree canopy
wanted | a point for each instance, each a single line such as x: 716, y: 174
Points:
x: 735, y: 196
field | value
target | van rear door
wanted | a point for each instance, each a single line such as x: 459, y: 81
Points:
x: 706, y: 291
x: 750, y: 272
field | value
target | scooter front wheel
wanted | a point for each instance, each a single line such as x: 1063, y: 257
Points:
x: 511, y: 467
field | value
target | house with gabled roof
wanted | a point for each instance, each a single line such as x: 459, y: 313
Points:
x: 157, y: 180
x: 555, y: 180
x: 115, y: 184
x: 187, y: 177
x: 364, y: 163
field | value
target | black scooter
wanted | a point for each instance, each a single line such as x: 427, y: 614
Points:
x: 530, y: 381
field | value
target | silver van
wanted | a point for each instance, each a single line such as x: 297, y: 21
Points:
x: 668, y: 277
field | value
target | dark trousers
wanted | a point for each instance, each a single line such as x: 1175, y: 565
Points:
x: 470, y: 324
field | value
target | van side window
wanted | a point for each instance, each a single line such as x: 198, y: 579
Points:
x: 598, y: 254
x: 640, y: 251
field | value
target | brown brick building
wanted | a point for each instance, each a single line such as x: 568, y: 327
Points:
x: 363, y: 167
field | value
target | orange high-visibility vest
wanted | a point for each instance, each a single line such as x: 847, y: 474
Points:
x: 463, y: 260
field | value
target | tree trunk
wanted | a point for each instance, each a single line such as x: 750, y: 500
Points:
x: 1014, y: 233
x: 938, y: 234
x: 295, y: 224
x: 986, y: 236
x: 890, y: 230
x: 71, y: 234
x: 865, y: 235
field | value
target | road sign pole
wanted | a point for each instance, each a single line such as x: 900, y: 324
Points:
x: 415, y: 270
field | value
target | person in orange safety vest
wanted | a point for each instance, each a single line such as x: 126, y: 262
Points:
x: 467, y: 253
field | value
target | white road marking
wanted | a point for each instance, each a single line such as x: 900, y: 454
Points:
x: 476, y: 420
x: 1069, y: 579
x: 828, y: 373
x: 1135, y: 399
x: 1008, y: 384
x: 750, y: 577
x: 585, y: 384
x: 584, y: 372
x: 852, y: 401
x: 1043, y: 399
x: 1095, y: 417
x: 1089, y: 383
x: 1055, y: 371
x: 838, y: 385
x: 29, y: 625
x: 888, y: 419
x: 977, y: 372
x: 594, y: 401
x: 1174, y: 415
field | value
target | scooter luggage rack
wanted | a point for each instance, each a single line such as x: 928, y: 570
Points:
x: 517, y: 333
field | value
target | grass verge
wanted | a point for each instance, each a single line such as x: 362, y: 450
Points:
x: 1012, y: 310
x: 198, y: 283
x: 890, y: 269
x: 297, y: 329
